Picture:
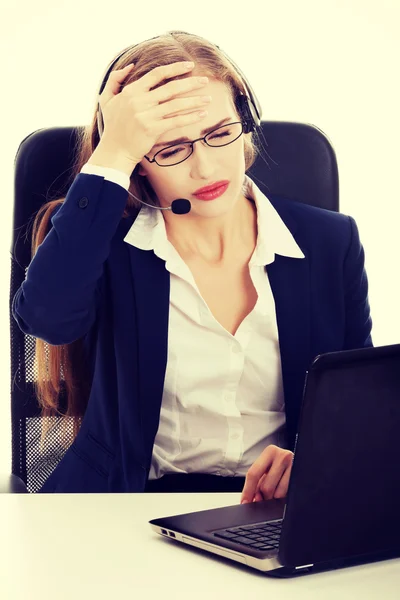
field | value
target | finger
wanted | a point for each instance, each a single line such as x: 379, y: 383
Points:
x: 191, y: 104
x: 257, y: 494
x: 158, y: 74
x: 180, y: 120
x: 114, y: 82
x: 280, y: 465
x: 117, y: 77
x: 177, y: 87
x: 256, y: 471
x: 250, y: 486
x: 271, y: 482
x: 258, y: 497
x: 283, y: 486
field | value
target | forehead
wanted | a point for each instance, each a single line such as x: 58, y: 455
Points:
x: 221, y: 106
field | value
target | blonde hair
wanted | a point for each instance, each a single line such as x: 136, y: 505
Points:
x: 60, y: 368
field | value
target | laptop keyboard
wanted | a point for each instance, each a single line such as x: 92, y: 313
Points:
x: 260, y: 536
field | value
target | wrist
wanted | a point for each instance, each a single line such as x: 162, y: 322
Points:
x: 105, y: 156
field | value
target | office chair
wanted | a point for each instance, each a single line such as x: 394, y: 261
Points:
x: 297, y: 162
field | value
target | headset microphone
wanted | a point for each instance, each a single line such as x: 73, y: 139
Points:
x: 181, y: 206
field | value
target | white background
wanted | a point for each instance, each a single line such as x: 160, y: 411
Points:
x: 331, y: 63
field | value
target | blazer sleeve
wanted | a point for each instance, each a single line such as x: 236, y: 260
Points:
x: 358, y: 319
x: 58, y: 300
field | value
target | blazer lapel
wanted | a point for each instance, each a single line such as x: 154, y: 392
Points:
x: 290, y: 283
x: 151, y: 283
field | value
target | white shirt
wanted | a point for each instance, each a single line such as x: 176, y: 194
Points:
x: 223, y: 400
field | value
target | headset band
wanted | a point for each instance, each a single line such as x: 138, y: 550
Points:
x: 256, y: 114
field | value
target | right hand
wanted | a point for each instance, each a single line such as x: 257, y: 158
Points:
x: 135, y: 118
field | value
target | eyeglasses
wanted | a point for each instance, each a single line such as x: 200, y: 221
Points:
x: 177, y: 153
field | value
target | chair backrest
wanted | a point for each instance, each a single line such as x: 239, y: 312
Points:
x: 297, y: 162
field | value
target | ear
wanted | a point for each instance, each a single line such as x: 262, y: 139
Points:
x: 141, y: 171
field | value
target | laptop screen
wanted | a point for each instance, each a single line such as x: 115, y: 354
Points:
x: 344, y: 493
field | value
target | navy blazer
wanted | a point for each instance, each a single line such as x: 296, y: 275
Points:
x: 86, y: 282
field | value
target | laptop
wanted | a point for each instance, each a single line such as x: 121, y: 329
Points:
x: 343, y: 503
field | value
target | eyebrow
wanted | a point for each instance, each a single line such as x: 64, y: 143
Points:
x: 186, y: 139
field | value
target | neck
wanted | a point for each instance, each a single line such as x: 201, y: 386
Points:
x: 215, y: 242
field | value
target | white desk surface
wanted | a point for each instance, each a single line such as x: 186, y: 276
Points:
x: 100, y: 546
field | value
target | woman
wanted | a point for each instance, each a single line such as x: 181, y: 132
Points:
x: 183, y: 336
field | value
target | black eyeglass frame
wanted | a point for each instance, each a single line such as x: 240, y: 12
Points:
x: 192, y: 143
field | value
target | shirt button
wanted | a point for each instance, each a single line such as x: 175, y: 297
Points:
x: 236, y: 349
x: 83, y: 202
x: 234, y: 436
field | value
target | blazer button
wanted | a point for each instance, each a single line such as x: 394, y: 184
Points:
x: 83, y: 202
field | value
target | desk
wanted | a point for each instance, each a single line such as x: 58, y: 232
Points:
x: 100, y: 546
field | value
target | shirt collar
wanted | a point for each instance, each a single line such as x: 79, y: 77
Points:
x: 148, y: 231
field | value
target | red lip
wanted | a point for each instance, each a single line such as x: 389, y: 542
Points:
x: 208, y: 188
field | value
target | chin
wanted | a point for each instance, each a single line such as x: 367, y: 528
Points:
x: 213, y: 208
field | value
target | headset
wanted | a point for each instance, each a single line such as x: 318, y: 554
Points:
x: 247, y: 104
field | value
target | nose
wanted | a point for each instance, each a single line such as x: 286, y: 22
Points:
x: 202, y: 160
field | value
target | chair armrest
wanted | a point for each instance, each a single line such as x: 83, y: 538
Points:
x: 11, y: 484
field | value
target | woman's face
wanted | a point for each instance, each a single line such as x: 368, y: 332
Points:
x: 206, y: 165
